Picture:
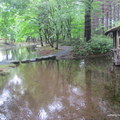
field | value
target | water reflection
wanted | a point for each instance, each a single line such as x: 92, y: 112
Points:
x: 2, y: 56
x: 43, y: 114
x: 56, y: 106
x: 4, y: 96
x: 15, y: 81
x: 18, y: 53
x: 61, y: 90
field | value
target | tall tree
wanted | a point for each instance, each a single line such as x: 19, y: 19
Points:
x: 88, y: 8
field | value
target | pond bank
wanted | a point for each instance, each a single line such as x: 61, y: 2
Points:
x: 64, y: 52
x: 49, y: 57
x: 93, y: 56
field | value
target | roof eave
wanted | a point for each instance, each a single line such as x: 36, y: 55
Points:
x: 112, y: 30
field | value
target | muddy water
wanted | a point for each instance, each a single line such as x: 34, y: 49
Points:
x: 61, y: 90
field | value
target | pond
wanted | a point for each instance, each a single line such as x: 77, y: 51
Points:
x: 61, y: 90
x: 21, y: 53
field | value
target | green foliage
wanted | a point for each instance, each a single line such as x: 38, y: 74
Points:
x: 10, y: 15
x: 117, y: 23
x: 49, y: 20
x: 98, y: 45
x: 79, y: 48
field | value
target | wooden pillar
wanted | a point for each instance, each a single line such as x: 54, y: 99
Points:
x: 114, y: 39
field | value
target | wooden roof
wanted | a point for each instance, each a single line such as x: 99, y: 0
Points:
x: 112, y: 30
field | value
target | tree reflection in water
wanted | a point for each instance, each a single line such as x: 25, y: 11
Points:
x: 18, y: 53
x: 61, y: 90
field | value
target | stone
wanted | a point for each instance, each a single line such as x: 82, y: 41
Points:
x: 14, y: 61
x: 25, y: 61
x: 32, y: 60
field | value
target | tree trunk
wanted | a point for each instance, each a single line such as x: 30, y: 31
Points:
x: 87, y: 33
x: 87, y: 25
x: 41, y: 41
x: 57, y: 40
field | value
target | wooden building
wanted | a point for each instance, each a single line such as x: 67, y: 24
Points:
x: 116, y: 44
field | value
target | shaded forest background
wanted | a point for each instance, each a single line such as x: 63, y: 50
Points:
x: 107, y: 17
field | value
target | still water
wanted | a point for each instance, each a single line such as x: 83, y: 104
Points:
x: 61, y: 90
x: 21, y: 53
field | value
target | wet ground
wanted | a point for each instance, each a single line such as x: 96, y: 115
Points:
x: 61, y: 90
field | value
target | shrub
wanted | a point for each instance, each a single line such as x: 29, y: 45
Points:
x: 97, y: 45
x: 79, y: 48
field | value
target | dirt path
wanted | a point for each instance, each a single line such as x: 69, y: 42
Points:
x: 64, y: 53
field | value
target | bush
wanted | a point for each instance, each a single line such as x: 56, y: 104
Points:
x: 79, y: 48
x: 97, y: 45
